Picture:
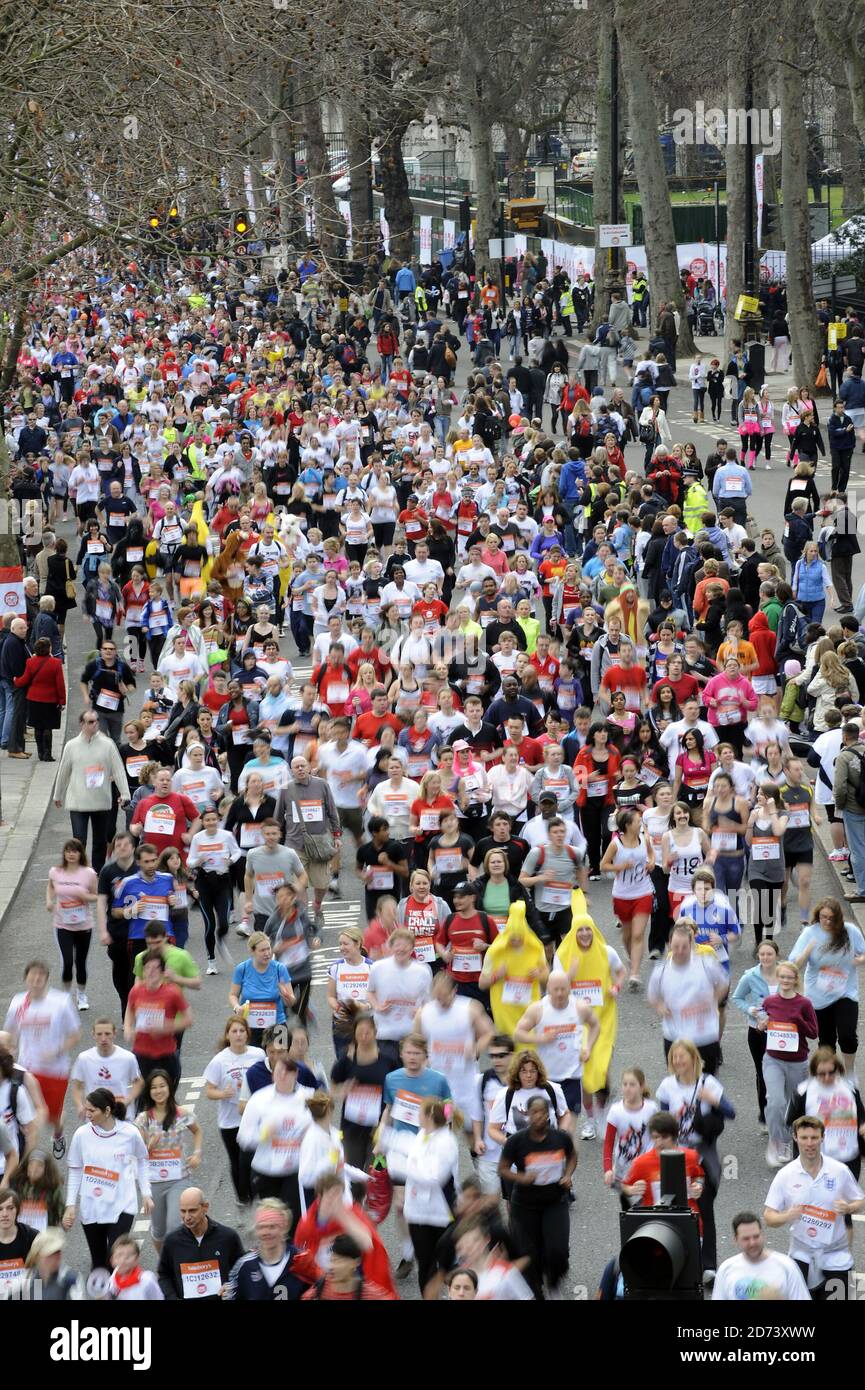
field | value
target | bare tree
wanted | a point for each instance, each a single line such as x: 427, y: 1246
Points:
x: 660, y: 234
x: 804, y: 327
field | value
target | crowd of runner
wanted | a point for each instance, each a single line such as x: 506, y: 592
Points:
x: 532, y: 671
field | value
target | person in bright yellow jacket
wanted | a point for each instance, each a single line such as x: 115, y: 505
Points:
x: 696, y: 502
x: 596, y: 974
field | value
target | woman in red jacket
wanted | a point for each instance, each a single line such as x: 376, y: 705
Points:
x: 596, y: 767
x: 42, y: 678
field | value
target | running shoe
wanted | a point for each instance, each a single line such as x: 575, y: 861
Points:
x: 211, y: 968
x: 59, y: 1147
x: 82, y: 1001
x: 588, y: 1131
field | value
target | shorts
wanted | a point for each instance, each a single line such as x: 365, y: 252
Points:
x: 487, y: 1174
x: 832, y: 815
x: 626, y: 909
x: 572, y: 1090
x: 793, y: 857
x: 351, y: 818
x: 555, y: 925
x: 54, y: 1090
x: 675, y: 900
x: 318, y: 872
x: 764, y: 685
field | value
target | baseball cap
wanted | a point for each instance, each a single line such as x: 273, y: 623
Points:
x: 547, y: 796
x: 463, y: 889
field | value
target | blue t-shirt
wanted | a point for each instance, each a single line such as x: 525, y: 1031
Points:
x: 829, y: 975
x: 717, y: 916
x: 155, y: 909
x: 262, y: 986
x: 404, y: 1093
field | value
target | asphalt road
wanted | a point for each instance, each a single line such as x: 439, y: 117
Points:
x: 594, y: 1217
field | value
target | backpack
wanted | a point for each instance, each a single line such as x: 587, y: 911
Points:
x: 512, y: 1090
x: 859, y: 793
x: 15, y: 1084
x: 584, y: 427
x: 542, y: 854
x: 485, y: 924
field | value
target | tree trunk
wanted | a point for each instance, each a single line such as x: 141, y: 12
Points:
x: 360, y: 174
x: 487, y: 215
x: 735, y: 156
x: 854, y: 67
x: 282, y: 145
x: 328, y: 223
x: 661, y: 255
x: 602, y: 187
x: 848, y: 151
x: 398, y: 208
x: 804, y: 327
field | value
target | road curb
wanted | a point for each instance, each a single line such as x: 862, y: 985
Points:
x: 823, y: 839
x: 21, y: 843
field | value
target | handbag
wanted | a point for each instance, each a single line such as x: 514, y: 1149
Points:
x: 70, y: 583
x: 821, y: 380
x: 319, y: 848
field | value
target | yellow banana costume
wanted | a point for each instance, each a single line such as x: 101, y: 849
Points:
x: 518, y: 952
x: 591, y: 966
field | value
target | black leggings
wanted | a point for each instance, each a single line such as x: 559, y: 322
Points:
x: 593, y: 819
x: 215, y: 897
x: 764, y: 897
x: 357, y: 1144
x: 74, y: 945
x: 154, y: 646
x: 285, y: 1188
x: 757, y: 1047
x: 425, y: 1240
x: 837, y: 1026
x: 121, y: 974
x: 239, y: 1169
x: 543, y: 1234
x: 137, y: 634
x: 101, y: 1236
x: 660, y: 927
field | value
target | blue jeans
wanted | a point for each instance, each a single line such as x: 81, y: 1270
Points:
x: 814, y: 610
x: 6, y: 705
x: 386, y: 366
x: 854, y: 829
x: 442, y: 424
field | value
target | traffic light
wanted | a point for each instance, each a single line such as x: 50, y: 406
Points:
x: 154, y: 221
x: 771, y: 223
x: 241, y: 226
x: 660, y: 1246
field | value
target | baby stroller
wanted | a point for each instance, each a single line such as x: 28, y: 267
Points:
x: 705, y: 319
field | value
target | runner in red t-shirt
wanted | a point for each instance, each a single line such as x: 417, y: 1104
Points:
x: 156, y: 1012
x: 628, y: 677
x: 462, y: 941
x: 167, y: 819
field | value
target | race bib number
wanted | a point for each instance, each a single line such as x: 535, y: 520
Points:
x: 466, y: 962
x: 546, y: 1168
x: 149, y: 1020
x: 425, y: 951
x: 556, y: 895
x: 363, y: 1106
x: 598, y: 788
x: 201, y: 1279
x: 782, y: 1037
x: 723, y: 839
x: 816, y: 1226
x: 764, y: 849
x: 517, y: 992
x: 72, y: 914
x: 429, y: 820
x: 311, y: 811
x: 164, y: 1165
x: 100, y: 1182
x: 588, y: 992
x: 251, y: 836
x: 94, y: 777
x: 406, y: 1108
x: 380, y: 879
x: 262, y: 1014
x: 160, y: 820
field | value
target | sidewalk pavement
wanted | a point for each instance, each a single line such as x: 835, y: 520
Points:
x: 26, y: 789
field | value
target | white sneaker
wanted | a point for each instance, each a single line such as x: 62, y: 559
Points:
x: 82, y: 1001
x: 211, y: 968
x: 588, y: 1131
x: 773, y: 1156
x: 243, y: 928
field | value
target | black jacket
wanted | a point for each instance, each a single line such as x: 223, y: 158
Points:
x: 219, y: 1243
x: 13, y: 657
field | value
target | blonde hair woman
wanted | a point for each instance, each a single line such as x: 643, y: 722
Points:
x: 811, y: 582
x: 832, y: 679
x: 360, y: 696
